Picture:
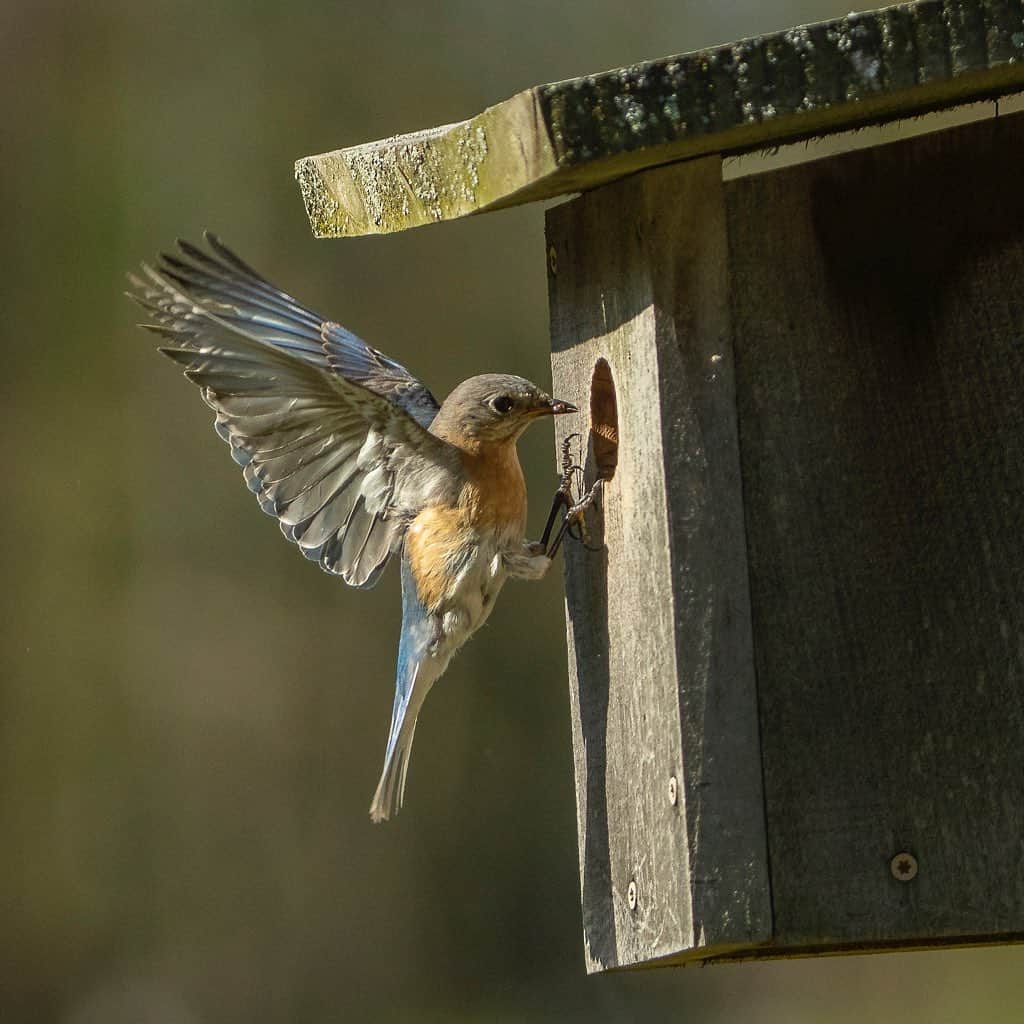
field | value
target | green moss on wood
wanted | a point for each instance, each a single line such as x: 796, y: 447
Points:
x: 577, y: 134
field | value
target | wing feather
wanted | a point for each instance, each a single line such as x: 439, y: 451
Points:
x: 330, y: 434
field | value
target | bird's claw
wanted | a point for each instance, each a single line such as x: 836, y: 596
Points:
x: 572, y: 472
x: 575, y: 522
x: 573, y: 519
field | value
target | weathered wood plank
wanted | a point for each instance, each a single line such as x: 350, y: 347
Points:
x: 574, y: 135
x: 661, y: 661
x: 879, y: 336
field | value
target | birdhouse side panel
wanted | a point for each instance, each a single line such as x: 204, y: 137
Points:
x: 879, y: 337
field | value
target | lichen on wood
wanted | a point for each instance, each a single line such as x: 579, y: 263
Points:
x: 573, y: 135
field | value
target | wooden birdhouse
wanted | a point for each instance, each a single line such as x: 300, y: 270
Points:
x: 797, y: 659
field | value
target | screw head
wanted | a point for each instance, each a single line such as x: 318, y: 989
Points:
x: 903, y: 867
x: 673, y: 791
x: 552, y: 260
x: 631, y: 895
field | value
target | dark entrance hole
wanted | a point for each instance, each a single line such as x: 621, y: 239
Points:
x: 604, y: 421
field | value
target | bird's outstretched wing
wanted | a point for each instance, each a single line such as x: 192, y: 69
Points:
x: 331, y: 434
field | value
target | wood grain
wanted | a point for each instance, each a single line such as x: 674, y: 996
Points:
x: 879, y: 336
x: 757, y: 93
x: 661, y: 663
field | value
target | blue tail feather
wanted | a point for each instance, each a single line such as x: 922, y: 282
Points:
x: 417, y: 670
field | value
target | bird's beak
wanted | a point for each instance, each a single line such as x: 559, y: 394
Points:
x: 556, y: 407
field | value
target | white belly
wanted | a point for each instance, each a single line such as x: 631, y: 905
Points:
x: 472, y: 595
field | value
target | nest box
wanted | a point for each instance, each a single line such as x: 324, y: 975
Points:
x: 797, y: 659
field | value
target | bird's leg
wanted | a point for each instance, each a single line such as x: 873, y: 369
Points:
x: 529, y: 563
x: 561, y: 501
x: 574, y: 515
x: 563, y: 496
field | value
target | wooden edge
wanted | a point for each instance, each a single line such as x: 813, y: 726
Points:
x: 709, y: 956
x: 570, y: 136
x: 430, y: 176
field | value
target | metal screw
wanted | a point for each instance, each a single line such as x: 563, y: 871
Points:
x: 631, y: 895
x: 903, y: 867
x: 673, y: 791
x: 553, y: 260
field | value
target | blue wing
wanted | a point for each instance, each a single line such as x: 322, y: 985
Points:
x: 417, y: 671
x: 323, y: 426
x: 226, y: 285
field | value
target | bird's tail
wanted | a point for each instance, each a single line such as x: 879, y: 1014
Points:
x: 387, y: 801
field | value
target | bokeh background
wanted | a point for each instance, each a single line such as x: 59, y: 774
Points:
x: 192, y: 717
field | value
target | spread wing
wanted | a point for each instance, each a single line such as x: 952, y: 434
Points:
x: 331, y: 434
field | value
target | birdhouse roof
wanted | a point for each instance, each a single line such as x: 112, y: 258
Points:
x: 757, y: 93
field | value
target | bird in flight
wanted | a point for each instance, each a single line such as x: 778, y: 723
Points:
x: 358, y: 462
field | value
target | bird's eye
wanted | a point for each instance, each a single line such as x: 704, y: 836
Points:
x: 502, y: 404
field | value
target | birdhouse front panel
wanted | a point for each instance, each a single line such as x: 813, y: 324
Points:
x: 672, y: 845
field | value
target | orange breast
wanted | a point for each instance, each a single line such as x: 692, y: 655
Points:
x: 432, y: 542
x: 491, y: 513
x: 494, y: 494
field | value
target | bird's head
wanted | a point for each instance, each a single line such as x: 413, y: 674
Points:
x: 494, y: 408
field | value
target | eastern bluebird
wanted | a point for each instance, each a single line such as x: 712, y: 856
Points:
x: 357, y: 460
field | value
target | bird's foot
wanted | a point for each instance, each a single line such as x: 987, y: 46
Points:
x: 573, y: 508
x: 574, y: 519
x: 575, y: 522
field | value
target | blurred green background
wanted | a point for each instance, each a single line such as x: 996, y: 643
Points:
x: 193, y: 717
